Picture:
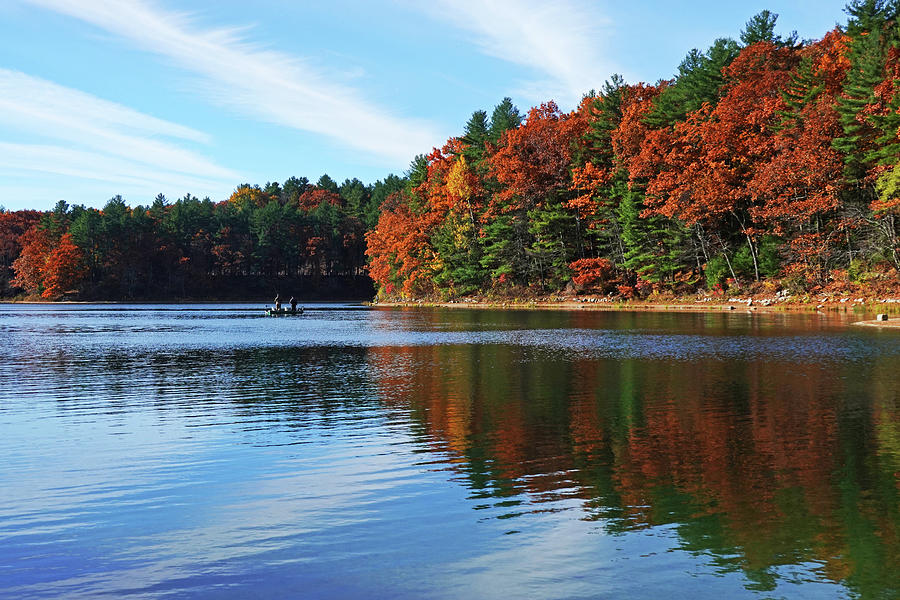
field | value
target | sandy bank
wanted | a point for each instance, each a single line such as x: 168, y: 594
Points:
x: 742, y: 305
x: 890, y: 324
x: 846, y: 309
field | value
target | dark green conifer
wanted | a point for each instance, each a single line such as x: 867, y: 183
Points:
x: 653, y: 244
x: 698, y: 82
x: 505, y: 116
x: 870, y: 40
x: 761, y: 28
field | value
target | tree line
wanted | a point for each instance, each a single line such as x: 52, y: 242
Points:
x: 766, y: 162
x: 298, y: 238
x: 768, y: 159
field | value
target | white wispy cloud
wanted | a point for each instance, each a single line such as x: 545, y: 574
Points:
x: 73, y: 133
x: 560, y: 41
x: 59, y: 105
x: 266, y: 84
x: 126, y: 175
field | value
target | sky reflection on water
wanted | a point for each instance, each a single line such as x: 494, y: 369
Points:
x: 445, y: 454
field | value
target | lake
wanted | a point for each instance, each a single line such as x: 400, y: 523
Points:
x: 166, y: 451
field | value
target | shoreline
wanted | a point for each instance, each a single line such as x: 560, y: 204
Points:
x: 834, y: 308
x: 645, y: 306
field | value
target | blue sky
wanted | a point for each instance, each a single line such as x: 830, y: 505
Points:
x: 140, y: 97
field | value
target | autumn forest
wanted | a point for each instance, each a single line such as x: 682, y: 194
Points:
x: 766, y: 163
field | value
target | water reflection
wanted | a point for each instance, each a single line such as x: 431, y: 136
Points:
x: 784, y: 471
x: 446, y: 454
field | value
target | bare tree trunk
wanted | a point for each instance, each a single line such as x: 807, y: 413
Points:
x: 753, y: 254
x: 727, y: 260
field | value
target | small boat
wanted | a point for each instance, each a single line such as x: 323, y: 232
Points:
x: 275, y: 312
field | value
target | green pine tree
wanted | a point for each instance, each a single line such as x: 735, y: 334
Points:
x: 476, y: 133
x: 761, y: 28
x: 804, y: 88
x: 506, y: 239
x: 606, y: 113
x: 653, y: 244
x: 505, y: 116
x: 552, y: 229
x: 461, y: 255
x: 698, y: 82
x: 870, y: 40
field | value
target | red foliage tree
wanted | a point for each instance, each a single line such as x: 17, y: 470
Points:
x: 586, y: 181
x: 594, y: 273
x: 701, y: 173
x: 801, y: 181
x: 638, y: 147
x: 400, y: 256
x: 312, y: 198
x: 64, y: 269
x: 536, y: 160
x: 803, y: 176
x: 29, y: 266
x: 12, y: 226
x: 715, y: 153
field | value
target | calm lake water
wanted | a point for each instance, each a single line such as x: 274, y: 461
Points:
x: 209, y: 451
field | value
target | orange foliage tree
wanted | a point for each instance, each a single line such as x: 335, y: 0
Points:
x: 12, y: 226
x: 399, y: 251
x: 800, y: 184
x: 704, y: 176
x: 64, y: 269
x: 535, y: 162
x: 314, y: 197
x: 29, y: 266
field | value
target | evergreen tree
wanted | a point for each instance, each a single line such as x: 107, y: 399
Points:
x: 805, y: 86
x: 272, y: 189
x: 602, y: 233
x: 293, y: 188
x: 327, y: 183
x: 870, y: 40
x: 606, y: 113
x: 157, y: 210
x: 356, y: 197
x: 551, y: 227
x: 505, y: 116
x: 456, y: 243
x: 56, y: 222
x: 505, y: 243
x: 86, y: 231
x: 869, y: 15
x: 698, y: 82
x: 761, y: 28
x: 416, y: 175
x: 653, y: 244
x: 476, y: 134
x: 380, y: 191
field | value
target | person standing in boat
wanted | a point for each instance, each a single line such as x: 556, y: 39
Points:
x: 293, y: 304
x: 277, y: 301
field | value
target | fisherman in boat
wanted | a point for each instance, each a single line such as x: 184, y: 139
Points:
x: 277, y: 302
x: 293, y: 304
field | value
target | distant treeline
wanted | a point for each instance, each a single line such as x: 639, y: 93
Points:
x: 294, y: 238
x: 766, y: 163
x: 769, y: 159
